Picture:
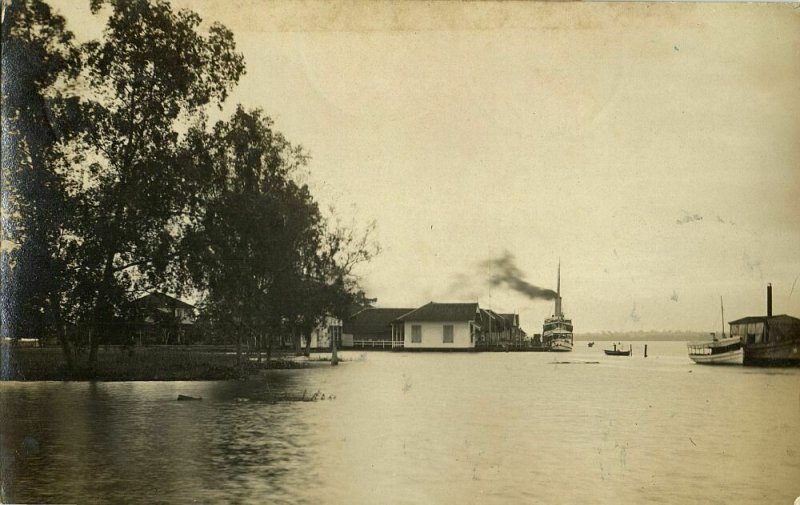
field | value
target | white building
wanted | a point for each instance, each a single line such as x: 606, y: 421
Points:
x: 438, y: 326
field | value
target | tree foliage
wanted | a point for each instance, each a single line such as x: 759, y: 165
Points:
x: 121, y: 185
x: 132, y: 189
x: 38, y: 51
x: 262, y: 251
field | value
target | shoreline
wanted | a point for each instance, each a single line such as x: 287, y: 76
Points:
x: 149, y: 364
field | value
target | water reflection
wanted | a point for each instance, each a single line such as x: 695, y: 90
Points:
x: 490, y: 428
x: 93, y: 442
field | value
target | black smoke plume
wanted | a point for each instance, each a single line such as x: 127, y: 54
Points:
x: 503, y: 271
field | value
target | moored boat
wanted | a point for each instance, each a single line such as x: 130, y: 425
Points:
x: 723, y: 351
x: 618, y: 352
x: 770, y: 340
x: 719, y: 351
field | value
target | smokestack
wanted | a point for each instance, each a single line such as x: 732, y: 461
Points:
x: 769, y: 299
x: 558, y: 291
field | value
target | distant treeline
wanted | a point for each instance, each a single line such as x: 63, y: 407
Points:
x: 643, y: 335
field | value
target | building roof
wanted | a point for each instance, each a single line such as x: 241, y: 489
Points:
x: 372, y: 320
x: 442, y: 312
x: 513, y: 319
x: 159, y: 299
x: 492, y: 320
x: 761, y: 319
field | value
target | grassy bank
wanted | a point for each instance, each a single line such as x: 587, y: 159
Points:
x: 149, y: 363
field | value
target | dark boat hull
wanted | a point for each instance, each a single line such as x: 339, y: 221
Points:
x: 617, y: 353
x: 786, y: 353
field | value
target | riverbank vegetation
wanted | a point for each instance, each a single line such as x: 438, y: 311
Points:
x: 119, y: 185
x: 142, y: 363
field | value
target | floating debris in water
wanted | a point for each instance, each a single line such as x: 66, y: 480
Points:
x: 293, y: 397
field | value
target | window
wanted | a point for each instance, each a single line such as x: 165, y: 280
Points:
x: 416, y: 334
x: 447, y: 334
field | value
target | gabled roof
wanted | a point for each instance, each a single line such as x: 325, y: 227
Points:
x: 158, y: 299
x: 372, y: 320
x: 761, y: 319
x: 493, y: 320
x: 442, y: 312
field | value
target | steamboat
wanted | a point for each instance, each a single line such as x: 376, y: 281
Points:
x: 557, y: 329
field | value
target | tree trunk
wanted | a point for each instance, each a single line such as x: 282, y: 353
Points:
x: 94, y: 345
x: 259, y: 344
x: 334, y: 355
x: 238, y: 347
x: 269, y: 349
x: 298, y: 345
x: 307, y: 351
x: 66, y: 348
x: 101, y: 309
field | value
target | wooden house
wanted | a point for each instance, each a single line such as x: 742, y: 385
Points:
x: 438, y: 326
x: 158, y: 318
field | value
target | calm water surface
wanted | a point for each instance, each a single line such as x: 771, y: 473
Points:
x: 417, y: 428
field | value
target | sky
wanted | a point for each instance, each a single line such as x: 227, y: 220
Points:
x: 652, y: 149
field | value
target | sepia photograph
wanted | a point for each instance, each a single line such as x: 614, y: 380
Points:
x: 399, y: 252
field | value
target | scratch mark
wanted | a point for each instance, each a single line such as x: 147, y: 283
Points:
x: 752, y: 265
x: 407, y: 383
x: 692, y: 441
x: 634, y: 316
x: 689, y: 218
x: 793, y: 284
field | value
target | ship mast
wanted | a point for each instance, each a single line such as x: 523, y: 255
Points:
x: 722, y: 310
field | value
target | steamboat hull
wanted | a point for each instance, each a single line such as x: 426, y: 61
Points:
x: 785, y: 353
x: 560, y: 346
x: 773, y: 340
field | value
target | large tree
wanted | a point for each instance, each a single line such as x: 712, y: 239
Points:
x: 260, y: 230
x: 37, y: 52
x: 134, y: 192
x: 118, y: 185
x: 266, y: 257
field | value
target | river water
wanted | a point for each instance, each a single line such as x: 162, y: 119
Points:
x: 419, y: 429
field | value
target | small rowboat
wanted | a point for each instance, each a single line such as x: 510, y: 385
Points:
x: 618, y: 352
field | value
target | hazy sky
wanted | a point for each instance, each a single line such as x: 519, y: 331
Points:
x: 652, y: 148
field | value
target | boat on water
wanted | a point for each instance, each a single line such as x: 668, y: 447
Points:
x: 618, y: 352
x: 771, y: 340
x: 557, y: 329
x: 591, y: 344
x: 719, y: 351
